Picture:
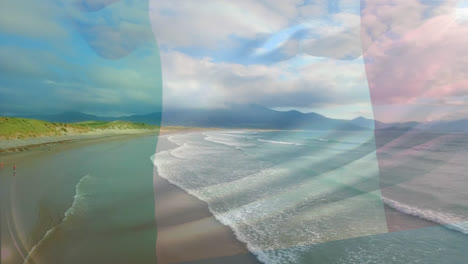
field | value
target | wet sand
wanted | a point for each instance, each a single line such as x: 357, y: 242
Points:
x: 188, y: 232
x: 8, y: 146
x: 10, y: 156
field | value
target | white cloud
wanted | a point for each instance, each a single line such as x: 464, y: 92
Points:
x: 219, y: 26
x: 295, y: 80
x: 191, y: 82
x: 206, y: 23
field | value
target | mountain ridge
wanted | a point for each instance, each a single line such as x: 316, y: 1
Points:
x: 256, y: 116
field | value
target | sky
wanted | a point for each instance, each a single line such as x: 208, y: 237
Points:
x: 283, y: 54
x: 93, y: 56
x: 396, y: 61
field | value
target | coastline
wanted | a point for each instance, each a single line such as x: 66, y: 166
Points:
x: 187, y: 230
x: 16, y: 146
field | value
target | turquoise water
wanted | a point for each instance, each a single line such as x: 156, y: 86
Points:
x: 96, y: 204
x: 324, y: 197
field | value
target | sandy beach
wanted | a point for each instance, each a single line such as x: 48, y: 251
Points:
x: 187, y: 231
x: 19, y: 145
x: 46, y: 142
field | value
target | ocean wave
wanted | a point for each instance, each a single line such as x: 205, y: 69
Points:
x: 176, y: 139
x: 338, y: 141
x: 233, y: 134
x: 448, y: 220
x: 228, y: 219
x: 177, y: 152
x: 194, y: 152
x: 242, y: 132
x: 280, y: 142
x: 226, y: 141
x: 264, y: 239
x: 243, y: 220
x: 74, y: 209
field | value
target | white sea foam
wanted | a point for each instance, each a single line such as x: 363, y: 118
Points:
x: 280, y: 142
x: 234, y: 134
x: 446, y: 219
x: 279, y: 222
x: 188, y: 151
x: 268, y: 222
x: 179, y: 139
x: 224, y: 140
x: 237, y: 220
x: 242, y: 132
x: 75, y: 209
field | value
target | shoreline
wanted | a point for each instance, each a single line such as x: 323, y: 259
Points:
x: 21, y: 145
x: 71, y: 141
x: 11, y: 156
x: 188, y: 232
x: 12, y: 146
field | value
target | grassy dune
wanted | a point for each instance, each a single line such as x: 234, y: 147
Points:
x: 21, y: 128
x: 112, y: 125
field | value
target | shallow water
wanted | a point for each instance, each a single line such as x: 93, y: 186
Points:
x: 324, y: 197
x: 91, y: 204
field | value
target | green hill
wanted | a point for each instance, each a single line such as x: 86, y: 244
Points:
x: 18, y: 128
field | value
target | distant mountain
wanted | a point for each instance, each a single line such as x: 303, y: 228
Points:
x: 405, y: 126
x: 152, y: 118
x: 236, y: 116
x: 257, y: 116
x: 445, y: 126
x: 364, y: 122
x: 254, y: 116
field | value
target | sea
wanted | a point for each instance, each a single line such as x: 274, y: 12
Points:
x: 330, y: 196
x: 291, y: 196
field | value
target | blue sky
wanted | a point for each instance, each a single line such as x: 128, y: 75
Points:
x: 92, y: 56
x: 101, y: 57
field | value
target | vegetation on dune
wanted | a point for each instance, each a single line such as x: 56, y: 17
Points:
x: 113, y: 125
x: 18, y: 128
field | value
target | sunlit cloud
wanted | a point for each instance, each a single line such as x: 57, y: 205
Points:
x: 307, y: 55
x: 417, y: 60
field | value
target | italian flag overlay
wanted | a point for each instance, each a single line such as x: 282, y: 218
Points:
x: 381, y: 177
